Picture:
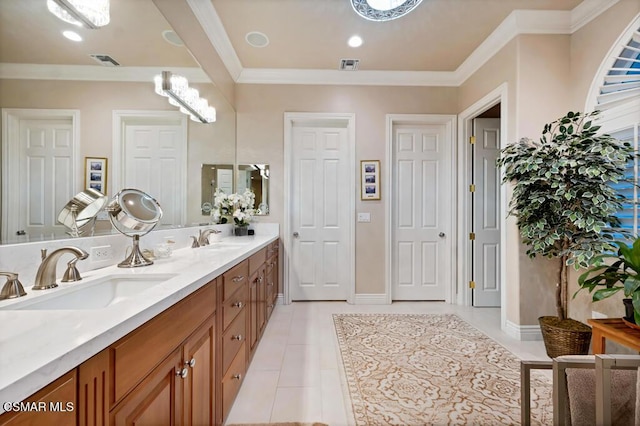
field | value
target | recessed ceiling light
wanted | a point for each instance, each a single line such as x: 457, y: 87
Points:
x: 257, y: 39
x: 72, y: 35
x: 172, y: 37
x: 355, y: 41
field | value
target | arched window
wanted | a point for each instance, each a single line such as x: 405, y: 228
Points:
x: 616, y: 92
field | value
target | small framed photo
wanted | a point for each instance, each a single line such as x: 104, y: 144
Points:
x: 370, y: 180
x: 95, y: 173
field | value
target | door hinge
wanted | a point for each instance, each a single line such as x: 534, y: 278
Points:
x: 472, y: 284
x: 472, y: 236
x: 472, y: 140
x: 472, y: 188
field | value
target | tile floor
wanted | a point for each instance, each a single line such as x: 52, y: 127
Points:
x: 295, y: 374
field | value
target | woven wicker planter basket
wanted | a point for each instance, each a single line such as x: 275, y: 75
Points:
x: 567, y: 337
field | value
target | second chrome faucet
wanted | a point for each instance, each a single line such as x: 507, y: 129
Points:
x: 46, y: 275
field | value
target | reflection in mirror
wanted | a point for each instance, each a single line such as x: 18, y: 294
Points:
x: 46, y: 79
x: 81, y: 211
x: 256, y: 178
x: 215, y: 176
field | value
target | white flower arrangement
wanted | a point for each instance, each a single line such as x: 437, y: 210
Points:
x: 236, y: 206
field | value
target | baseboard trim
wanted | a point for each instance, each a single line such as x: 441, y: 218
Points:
x: 523, y: 332
x: 370, y: 299
x: 280, y: 299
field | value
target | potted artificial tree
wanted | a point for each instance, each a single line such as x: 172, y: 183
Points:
x: 614, y: 272
x: 565, y: 207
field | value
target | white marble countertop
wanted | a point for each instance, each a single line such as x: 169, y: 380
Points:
x: 38, y: 346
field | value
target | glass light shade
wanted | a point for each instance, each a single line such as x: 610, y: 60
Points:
x: 187, y: 99
x: 95, y: 12
x: 383, y: 10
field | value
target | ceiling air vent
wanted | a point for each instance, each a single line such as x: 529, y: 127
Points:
x: 105, y: 60
x: 349, y: 64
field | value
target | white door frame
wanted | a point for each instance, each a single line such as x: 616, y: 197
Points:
x: 416, y: 119
x: 120, y: 119
x: 465, y: 130
x: 301, y: 117
x: 11, y: 118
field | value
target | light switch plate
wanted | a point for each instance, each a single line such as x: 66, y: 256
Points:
x: 364, y: 217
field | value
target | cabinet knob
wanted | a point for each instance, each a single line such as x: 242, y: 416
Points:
x: 183, y: 373
x: 237, y: 305
x: 191, y: 363
x: 237, y: 337
x: 237, y: 278
x: 237, y: 376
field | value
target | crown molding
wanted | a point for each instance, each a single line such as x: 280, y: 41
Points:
x: 214, y: 29
x: 587, y: 11
x: 337, y: 77
x: 95, y: 73
x: 517, y: 23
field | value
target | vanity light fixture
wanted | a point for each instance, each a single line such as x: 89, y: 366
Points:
x: 383, y: 10
x: 91, y: 14
x: 176, y: 88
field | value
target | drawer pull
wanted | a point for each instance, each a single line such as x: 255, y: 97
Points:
x: 237, y: 278
x: 237, y: 337
x: 191, y: 363
x: 237, y: 376
x: 183, y: 373
x: 270, y: 306
x: 237, y: 305
x: 260, y: 279
x: 270, y: 284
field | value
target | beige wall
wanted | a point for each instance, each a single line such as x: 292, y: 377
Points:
x: 260, y: 138
x: 97, y: 100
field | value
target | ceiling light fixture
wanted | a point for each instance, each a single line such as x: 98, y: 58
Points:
x: 383, y: 10
x: 176, y: 88
x: 355, y: 41
x: 91, y: 14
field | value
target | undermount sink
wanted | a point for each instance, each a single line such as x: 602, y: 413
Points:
x: 225, y: 245
x: 95, y: 294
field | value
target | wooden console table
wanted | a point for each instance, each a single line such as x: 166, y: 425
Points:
x: 613, y: 329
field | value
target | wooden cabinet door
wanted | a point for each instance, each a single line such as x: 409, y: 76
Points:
x: 155, y: 401
x: 253, y: 312
x: 199, y: 385
x: 262, y: 301
x: 55, y: 403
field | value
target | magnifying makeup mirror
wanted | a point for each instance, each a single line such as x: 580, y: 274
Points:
x: 134, y: 213
x: 82, y: 209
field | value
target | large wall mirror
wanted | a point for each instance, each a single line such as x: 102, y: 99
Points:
x: 247, y: 176
x: 256, y: 178
x: 54, y: 90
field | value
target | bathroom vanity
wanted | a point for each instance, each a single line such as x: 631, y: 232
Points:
x: 176, y: 353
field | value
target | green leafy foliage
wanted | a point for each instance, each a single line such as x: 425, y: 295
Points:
x: 610, y: 273
x: 562, y: 195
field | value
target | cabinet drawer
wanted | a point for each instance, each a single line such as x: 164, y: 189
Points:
x: 233, y: 306
x: 233, y: 339
x: 256, y: 261
x: 232, y: 381
x: 234, y: 278
x: 272, y: 249
x: 136, y: 354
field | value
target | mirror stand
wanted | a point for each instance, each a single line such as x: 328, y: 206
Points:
x: 136, y: 257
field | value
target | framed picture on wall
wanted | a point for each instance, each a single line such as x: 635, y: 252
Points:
x: 370, y: 180
x: 95, y: 173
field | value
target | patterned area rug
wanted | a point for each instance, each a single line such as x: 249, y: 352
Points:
x: 432, y: 369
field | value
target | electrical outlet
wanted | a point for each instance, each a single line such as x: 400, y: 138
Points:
x: 101, y: 253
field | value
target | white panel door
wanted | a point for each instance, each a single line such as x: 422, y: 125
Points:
x: 486, y: 220
x: 225, y: 180
x: 421, y: 212
x: 154, y: 158
x: 46, y: 170
x: 320, y: 214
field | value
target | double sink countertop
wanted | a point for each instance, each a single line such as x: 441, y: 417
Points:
x: 38, y: 346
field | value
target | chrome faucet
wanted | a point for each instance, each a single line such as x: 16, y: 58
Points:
x: 46, y: 275
x: 203, y: 238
